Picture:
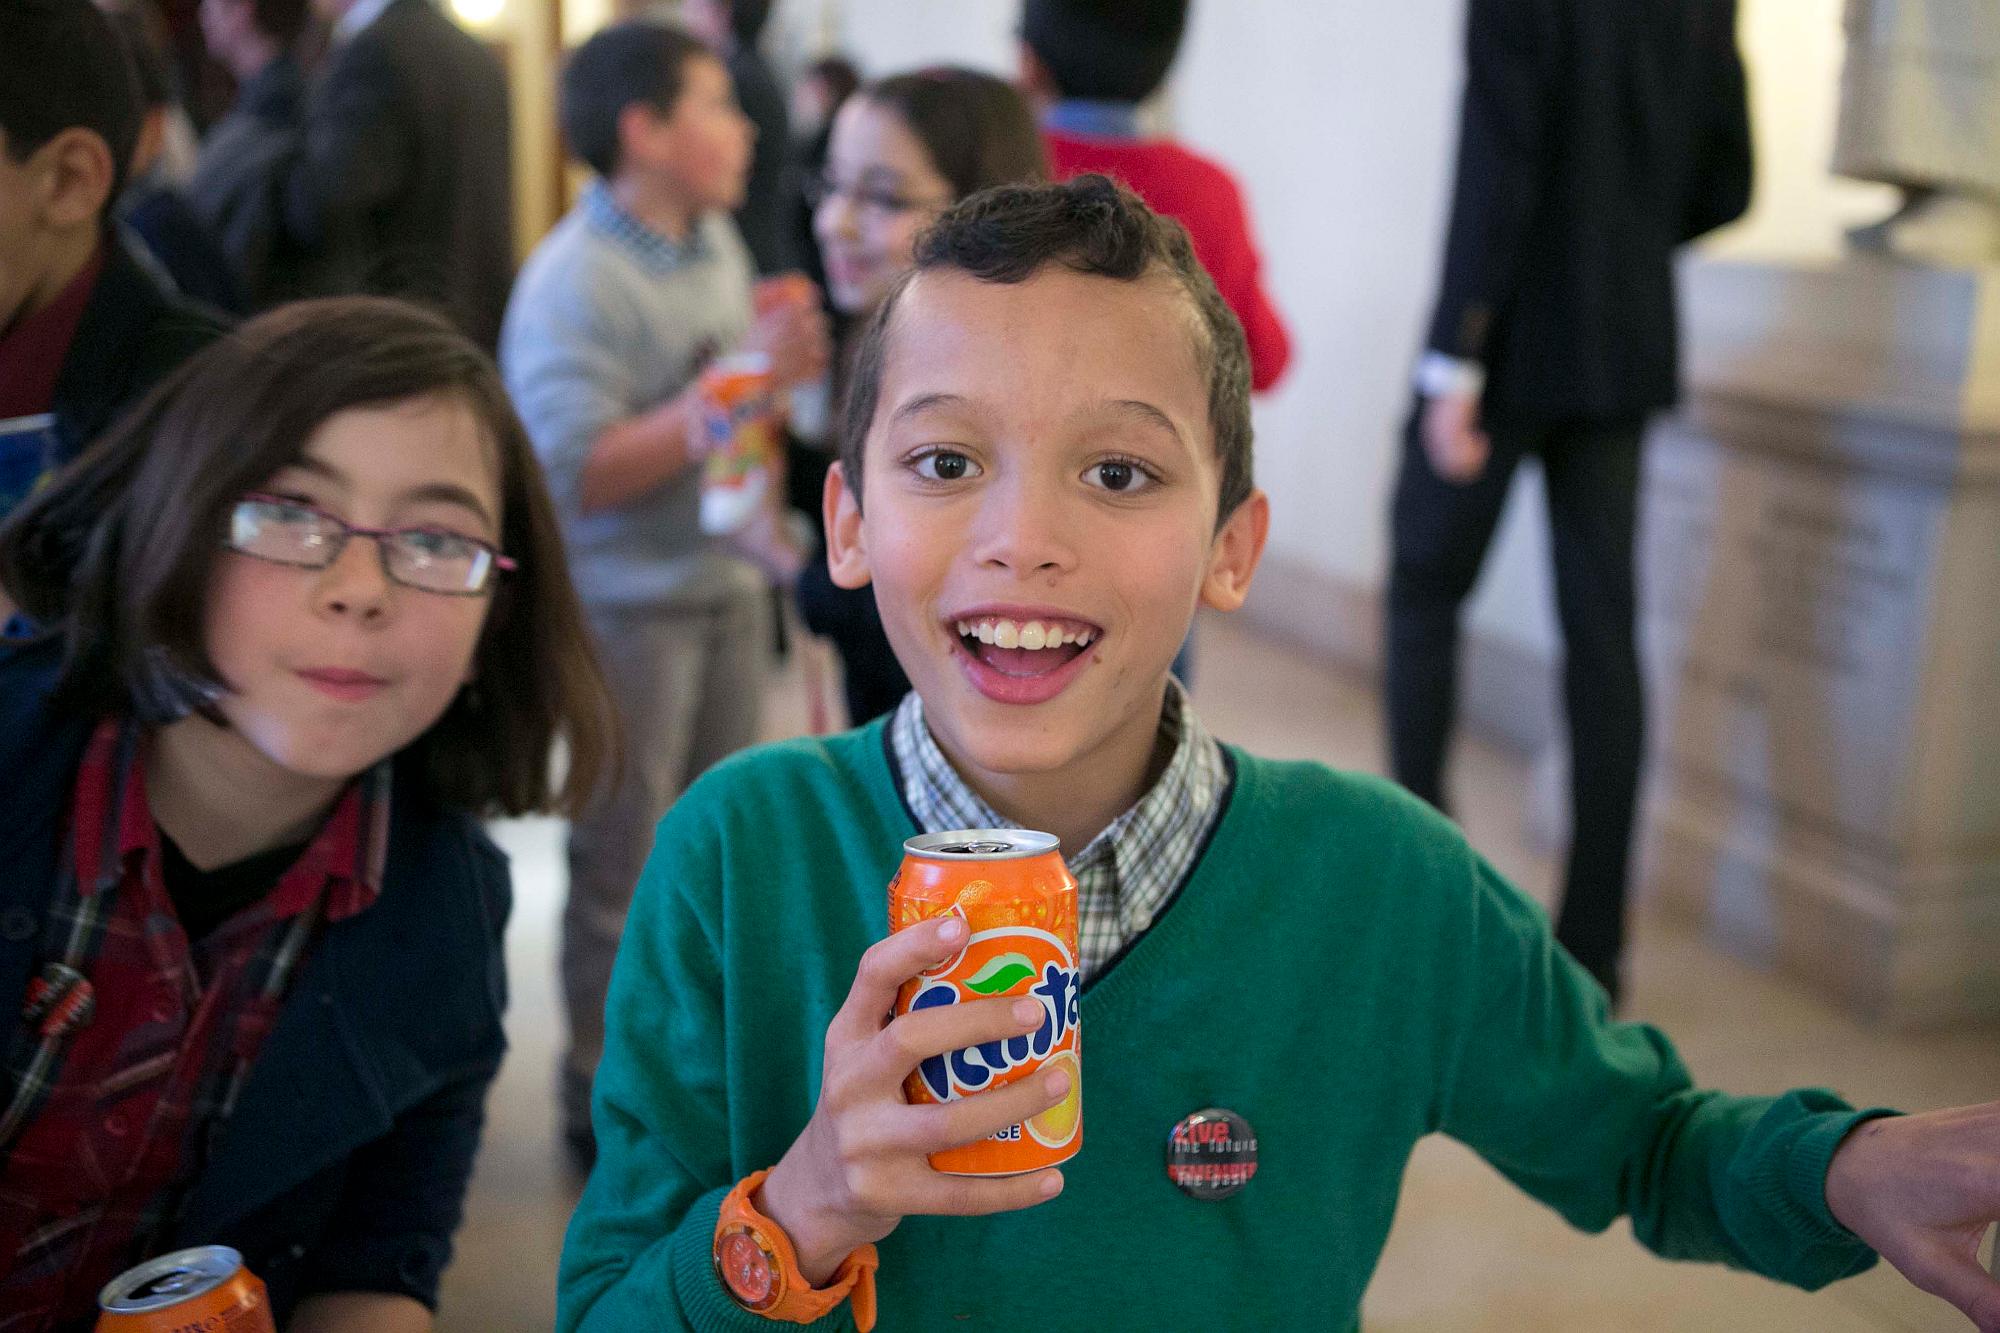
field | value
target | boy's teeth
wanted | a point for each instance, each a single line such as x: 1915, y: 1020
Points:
x: 1031, y: 635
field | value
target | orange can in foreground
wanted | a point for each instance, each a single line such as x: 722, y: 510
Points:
x: 1019, y: 901
x: 203, y: 1290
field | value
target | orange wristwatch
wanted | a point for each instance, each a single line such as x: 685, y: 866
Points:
x: 760, y: 1270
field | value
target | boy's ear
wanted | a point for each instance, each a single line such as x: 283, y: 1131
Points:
x: 1238, y: 548
x: 846, y: 547
x: 76, y: 172
x: 636, y: 123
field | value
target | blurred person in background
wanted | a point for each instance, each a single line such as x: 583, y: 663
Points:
x: 765, y: 215
x: 1088, y: 64
x: 402, y: 182
x: 230, y: 190
x: 1594, y: 141
x: 822, y: 89
x: 152, y: 205
x: 901, y: 152
x: 618, y: 312
x: 85, y: 327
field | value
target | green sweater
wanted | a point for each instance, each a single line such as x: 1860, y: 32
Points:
x: 1341, y: 969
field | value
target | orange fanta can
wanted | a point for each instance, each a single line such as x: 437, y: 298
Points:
x: 206, y: 1289
x: 1018, y: 900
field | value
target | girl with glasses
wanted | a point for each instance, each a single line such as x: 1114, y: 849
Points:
x: 902, y: 151
x: 300, y: 621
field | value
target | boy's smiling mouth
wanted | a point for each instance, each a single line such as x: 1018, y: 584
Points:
x: 1019, y: 656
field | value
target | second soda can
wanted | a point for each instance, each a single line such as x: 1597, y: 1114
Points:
x: 1018, y: 900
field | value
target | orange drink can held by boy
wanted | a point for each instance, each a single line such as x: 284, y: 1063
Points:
x: 739, y: 422
x: 203, y: 1290
x: 1018, y: 901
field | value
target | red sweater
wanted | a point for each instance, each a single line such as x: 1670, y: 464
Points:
x: 1205, y: 199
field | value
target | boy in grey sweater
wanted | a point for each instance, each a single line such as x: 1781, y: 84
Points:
x: 610, y: 325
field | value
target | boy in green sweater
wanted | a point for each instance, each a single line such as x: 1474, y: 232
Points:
x: 1046, y: 466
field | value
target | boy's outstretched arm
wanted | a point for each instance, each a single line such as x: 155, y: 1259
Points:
x: 1598, y: 1119
x: 1922, y: 1189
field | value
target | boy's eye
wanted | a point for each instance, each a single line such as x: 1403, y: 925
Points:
x: 944, y: 465
x: 1122, y: 476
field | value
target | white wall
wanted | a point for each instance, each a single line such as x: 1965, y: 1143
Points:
x: 1339, y: 117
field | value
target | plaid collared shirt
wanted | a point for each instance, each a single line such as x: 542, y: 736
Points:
x: 1130, y: 871
x: 657, y: 252
x: 110, y: 1127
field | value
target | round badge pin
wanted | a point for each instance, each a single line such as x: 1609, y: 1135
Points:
x: 1211, y: 1154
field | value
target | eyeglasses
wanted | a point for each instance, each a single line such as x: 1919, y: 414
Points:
x: 291, y: 532
x: 877, y: 199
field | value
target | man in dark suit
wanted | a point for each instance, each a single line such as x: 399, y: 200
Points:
x: 1595, y: 139
x: 402, y: 183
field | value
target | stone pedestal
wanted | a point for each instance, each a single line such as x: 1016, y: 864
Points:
x: 1821, y: 564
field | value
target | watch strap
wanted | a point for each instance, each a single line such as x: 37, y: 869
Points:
x: 798, y: 1302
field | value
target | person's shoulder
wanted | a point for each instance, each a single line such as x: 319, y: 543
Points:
x: 1341, y: 803
x: 445, y: 850
x: 574, y: 267
x: 810, y: 778
x: 39, y: 741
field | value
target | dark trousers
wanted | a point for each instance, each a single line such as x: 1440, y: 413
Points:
x: 1440, y: 534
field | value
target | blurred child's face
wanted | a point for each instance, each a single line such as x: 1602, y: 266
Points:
x: 884, y: 190
x: 1040, y: 492
x: 333, y: 669
x: 701, y: 145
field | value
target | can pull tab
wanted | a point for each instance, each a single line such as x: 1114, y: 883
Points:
x: 60, y: 1001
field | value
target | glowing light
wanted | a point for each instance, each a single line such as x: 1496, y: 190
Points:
x: 479, y: 13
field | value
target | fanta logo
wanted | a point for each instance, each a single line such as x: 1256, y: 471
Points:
x: 1055, y: 984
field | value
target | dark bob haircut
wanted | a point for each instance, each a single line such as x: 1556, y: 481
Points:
x: 639, y: 60
x: 976, y: 129
x: 116, y: 554
x: 1088, y: 225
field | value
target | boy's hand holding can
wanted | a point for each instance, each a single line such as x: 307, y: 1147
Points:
x: 791, y: 329
x: 861, y: 1164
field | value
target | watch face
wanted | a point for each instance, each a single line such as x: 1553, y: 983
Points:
x: 747, y: 1270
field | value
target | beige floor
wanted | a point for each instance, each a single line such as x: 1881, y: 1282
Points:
x: 1468, y: 1252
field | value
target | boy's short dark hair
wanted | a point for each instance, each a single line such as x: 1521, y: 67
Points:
x: 115, y: 555
x: 639, y: 60
x: 62, y: 65
x: 1088, y: 225
x: 1106, y: 50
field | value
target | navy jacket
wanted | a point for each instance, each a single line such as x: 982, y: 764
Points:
x: 1595, y: 139
x: 345, y: 1165
x: 133, y: 332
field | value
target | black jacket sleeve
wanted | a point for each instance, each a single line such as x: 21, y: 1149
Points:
x: 1512, y: 47
x: 402, y: 1198
x: 1719, y: 185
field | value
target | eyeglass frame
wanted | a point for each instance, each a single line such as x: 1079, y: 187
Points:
x: 502, y: 564
x: 822, y: 187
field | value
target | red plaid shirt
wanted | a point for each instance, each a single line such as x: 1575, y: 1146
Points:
x: 119, y: 1116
